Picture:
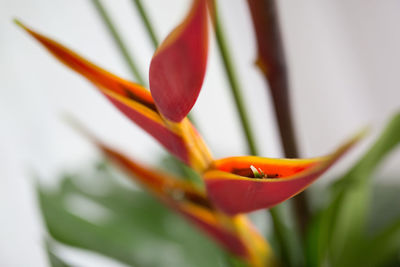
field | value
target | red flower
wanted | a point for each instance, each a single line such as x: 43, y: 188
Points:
x: 234, y: 185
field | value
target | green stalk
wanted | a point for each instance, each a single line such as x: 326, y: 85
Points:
x: 281, y: 235
x: 233, y: 82
x: 118, y: 41
x: 279, y: 227
x: 146, y: 22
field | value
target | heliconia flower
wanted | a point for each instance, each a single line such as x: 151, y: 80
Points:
x: 233, y: 185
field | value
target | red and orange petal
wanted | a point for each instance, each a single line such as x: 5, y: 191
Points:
x: 95, y: 74
x: 208, y: 222
x: 232, y: 191
x: 200, y: 156
x: 160, y: 183
x: 178, y: 67
x: 132, y: 100
x: 236, y: 234
x: 153, y: 124
x: 261, y: 253
x: 185, y: 199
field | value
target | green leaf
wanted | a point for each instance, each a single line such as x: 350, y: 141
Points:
x: 55, y: 261
x: 384, y: 211
x: 106, y: 217
x: 337, y: 231
x: 383, y: 247
x: 232, y: 261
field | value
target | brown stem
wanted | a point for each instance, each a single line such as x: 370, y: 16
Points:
x: 271, y: 61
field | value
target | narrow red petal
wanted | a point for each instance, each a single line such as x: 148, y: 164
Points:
x: 261, y: 253
x: 183, y: 198
x: 131, y: 99
x: 164, y: 185
x: 153, y: 124
x: 209, y: 223
x: 95, y: 74
x: 235, y: 194
x: 178, y: 67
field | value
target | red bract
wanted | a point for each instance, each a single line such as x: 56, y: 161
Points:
x: 191, y: 203
x: 235, y: 234
x: 232, y: 187
x: 181, y: 138
x: 176, y: 76
x: 179, y: 64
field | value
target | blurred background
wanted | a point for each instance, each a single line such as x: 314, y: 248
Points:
x: 343, y: 58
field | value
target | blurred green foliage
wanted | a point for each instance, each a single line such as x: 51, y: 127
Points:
x: 338, y: 235
x: 54, y: 260
x: 131, y: 227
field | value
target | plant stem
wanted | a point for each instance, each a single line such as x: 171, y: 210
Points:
x: 271, y: 61
x: 280, y: 232
x: 227, y: 61
x: 146, y: 22
x: 118, y: 41
x: 233, y: 82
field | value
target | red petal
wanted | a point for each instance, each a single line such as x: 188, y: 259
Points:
x: 178, y: 66
x: 235, y: 194
x: 182, y: 197
x: 152, y: 123
x: 209, y: 223
x: 95, y: 74
x: 131, y: 99
x: 162, y: 184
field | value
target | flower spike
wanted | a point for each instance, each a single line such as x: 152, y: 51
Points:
x: 235, y: 184
x: 178, y: 67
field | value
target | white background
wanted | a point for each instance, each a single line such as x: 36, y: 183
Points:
x: 344, y: 61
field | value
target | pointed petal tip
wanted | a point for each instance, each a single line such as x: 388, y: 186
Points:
x: 23, y: 26
x: 18, y: 23
x: 363, y: 132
